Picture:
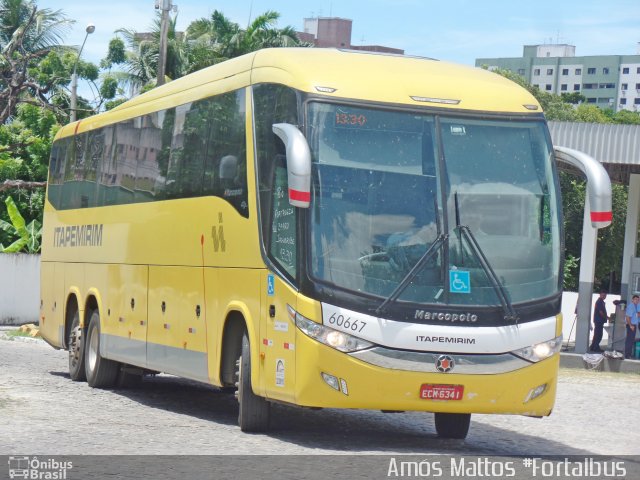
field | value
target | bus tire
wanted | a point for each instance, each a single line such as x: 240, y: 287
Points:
x: 101, y: 373
x: 254, y: 410
x: 76, y: 344
x: 452, y: 425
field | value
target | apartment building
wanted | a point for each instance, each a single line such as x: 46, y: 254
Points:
x: 608, y: 81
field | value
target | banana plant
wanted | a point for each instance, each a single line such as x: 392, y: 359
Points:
x: 29, y: 235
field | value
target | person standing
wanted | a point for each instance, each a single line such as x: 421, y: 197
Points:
x: 631, y: 317
x: 599, y: 319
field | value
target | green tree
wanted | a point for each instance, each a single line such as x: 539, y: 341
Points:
x: 25, y: 145
x: 574, y: 98
x: 626, y: 117
x: 28, y: 35
x: 206, y: 42
x: 35, y: 67
x: 29, y: 235
x: 554, y: 106
x: 590, y: 114
x: 217, y: 38
x: 141, y: 55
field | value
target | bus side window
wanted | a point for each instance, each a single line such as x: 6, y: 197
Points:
x: 176, y: 167
x: 230, y: 185
x: 274, y: 104
x: 74, y: 184
x: 56, y: 171
x: 283, y: 245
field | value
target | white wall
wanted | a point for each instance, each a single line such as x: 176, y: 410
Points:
x: 19, y: 288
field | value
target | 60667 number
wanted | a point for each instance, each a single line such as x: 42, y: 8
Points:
x: 347, y: 323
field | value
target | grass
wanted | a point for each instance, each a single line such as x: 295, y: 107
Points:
x: 11, y: 334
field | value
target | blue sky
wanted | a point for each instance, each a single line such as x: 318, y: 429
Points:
x: 453, y: 30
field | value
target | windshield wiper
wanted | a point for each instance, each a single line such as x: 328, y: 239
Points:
x: 510, y: 314
x: 431, y: 251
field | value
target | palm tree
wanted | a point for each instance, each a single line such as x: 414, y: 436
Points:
x: 27, y: 36
x: 262, y: 33
x: 217, y: 39
x: 141, y: 60
x: 206, y: 42
x: 142, y: 55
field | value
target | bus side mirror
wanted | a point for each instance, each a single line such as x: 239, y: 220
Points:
x: 298, y: 163
x: 598, y: 183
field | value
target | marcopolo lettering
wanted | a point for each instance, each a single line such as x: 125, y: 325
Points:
x: 445, y: 317
x: 78, y: 236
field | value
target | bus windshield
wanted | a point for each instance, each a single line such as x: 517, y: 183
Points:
x: 388, y: 184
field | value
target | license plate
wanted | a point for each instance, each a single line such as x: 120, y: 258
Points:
x: 429, y: 391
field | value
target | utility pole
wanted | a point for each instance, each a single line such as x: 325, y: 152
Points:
x: 165, y: 6
x: 74, y: 76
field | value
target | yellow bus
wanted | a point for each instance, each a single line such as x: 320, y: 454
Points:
x: 319, y: 228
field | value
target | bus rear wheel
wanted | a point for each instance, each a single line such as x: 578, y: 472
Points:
x: 76, y: 350
x: 101, y: 373
x: 452, y: 425
x: 254, y: 410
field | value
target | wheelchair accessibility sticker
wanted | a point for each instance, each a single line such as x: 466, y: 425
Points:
x: 271, y: 285
x: 459, y: 281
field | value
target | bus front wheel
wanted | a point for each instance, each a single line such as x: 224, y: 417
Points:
x: 76, y: 350
x: 101, y: 373
x: 452, y: 425
x: 253, y: 414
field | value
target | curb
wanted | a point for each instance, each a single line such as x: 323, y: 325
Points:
x: 574, y: 360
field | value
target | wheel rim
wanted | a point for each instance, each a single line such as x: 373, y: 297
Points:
x: 93, y: 349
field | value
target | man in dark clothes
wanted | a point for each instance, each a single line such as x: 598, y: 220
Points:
x: 631, y: 317
x: 599, y: 319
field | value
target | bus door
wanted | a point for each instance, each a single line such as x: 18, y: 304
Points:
x: 278, y: 329
x: 277, y: 338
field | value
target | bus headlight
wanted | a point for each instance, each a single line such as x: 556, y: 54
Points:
x: 540, y: 351
x: 330, y: 337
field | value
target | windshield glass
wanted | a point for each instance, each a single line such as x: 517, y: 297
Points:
x: 378, y: 205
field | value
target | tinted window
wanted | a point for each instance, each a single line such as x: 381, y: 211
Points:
x: 208, y: 154
x: 196, y: 149
x: 275, y: 104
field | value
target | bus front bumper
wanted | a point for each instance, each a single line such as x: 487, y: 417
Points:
x: 331, y: 379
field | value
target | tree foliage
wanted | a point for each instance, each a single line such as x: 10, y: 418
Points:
x: 28, y: 36
x: 29, y: 235
x: 206, y: 42
x: 25, y: 145
x: 217, y: 38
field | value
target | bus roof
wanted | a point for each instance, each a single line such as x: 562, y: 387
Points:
x: 389, y: 78
x: 339, y: 74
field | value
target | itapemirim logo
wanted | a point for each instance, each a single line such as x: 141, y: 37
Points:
x: 36, y: 469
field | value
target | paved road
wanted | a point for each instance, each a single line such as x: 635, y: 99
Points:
x: 43, y: 412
